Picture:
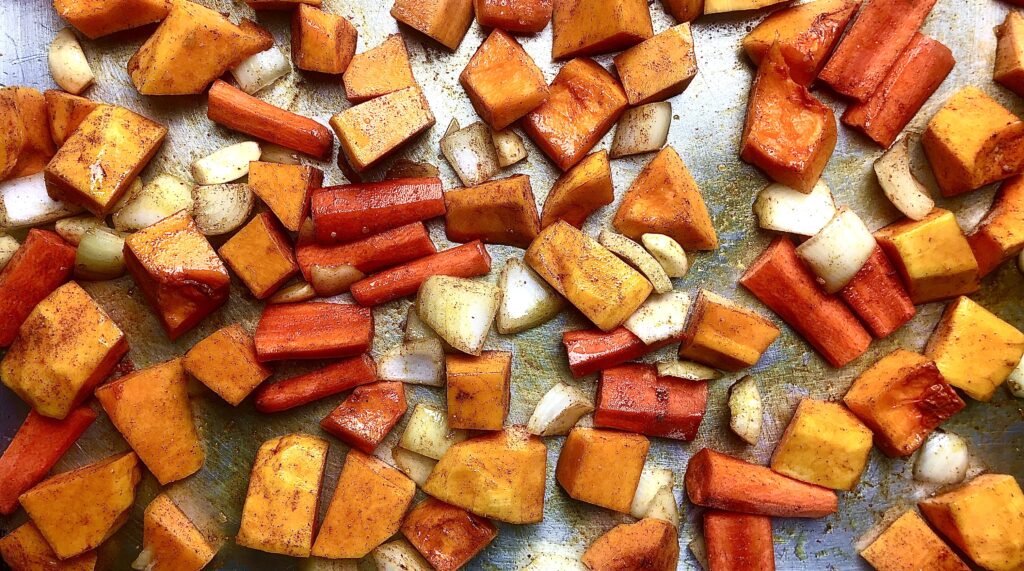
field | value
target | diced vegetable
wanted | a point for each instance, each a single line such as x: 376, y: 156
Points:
x: 465, y: 261
x: 876, y: 294
x: 156, y: 200
x: 1015, y: 382
x: 366, y: 417
x: 294, y: 293
x: 72, y: 229
x: 638, y: 258
x: 226, y: 362
x: 910, y: 539
x: 661, y: 317
x: 260, y: 70
x: 68, y: 66
x: 661, y: 67
x: 784, y: 209
x: 39, y: 266
x: 642, y: 129
x: 699, y: 549
x: 372, y: 130
x: 170, y: 538
x: 731, y: 537
x: 558, y: 411
x: 418, y: 362
x: 725, y: 335
x: 591, y: 350
x: 470, y: 151
x: 378, y: 71
x: 602, y: 467
x: 221, y: 208
x: 652, y: 481
x: 330, y: 380
x: 25, y: 202
x: 417, y: 466
x: 445, y: 23
x: 526, y: 300
x: 8, y: 246
x: 329, y: 281
x: 459, y: 310
x: 502, y: 211
x: 479, y: 390
x: 448, y: 536
x: 225, y: 165
x: 825, y: 444
x: 668, y: 252
x: 414, y: 328
x: 100, y: 255
x: 271, y: 153
x: 746, y: 410
x: 687, y: 370
x: 322, y: 41
x: 647, y: 544
x: 509, y: 147
x: 313, y: 330
x: 398, y: 555
x: 579, y: 192
x: 664, y: 507
x: 839, y: 250
x: 943, y: 459
x: 900, y: 185
x: 428, y: 434
x: 632, y: 397
x: 355, y: 211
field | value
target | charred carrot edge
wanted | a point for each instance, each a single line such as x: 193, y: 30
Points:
x: 389, y: 248
x: 634, y: 398
x: 717, y: 480
x: 738, y: 542
x: 313, y: 330
x: 37, y: 446
x: 354, y: 211
x: 242, y: 112
x: 367, y: 415
x: 42, y: 264
x: 781, y: 281
x: 303, y: 389
x: 464, y: 261
x: 878, y: 297
x: 591, y: 350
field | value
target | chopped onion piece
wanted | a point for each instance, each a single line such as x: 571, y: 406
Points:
x: 1015, y: 382
x: 642, y: 129
x: 415, y: 329
x: 398, y: 555
x: 558, y: 411
x: 417, y: 362
x: 509, y: 147
x: 943, y: 459
x: 687, y: 370
x: 221, y: 208
x: 8, y: 246
x: 652, y: 480
x: 100, y: 255
x: 471, y: 153
x: 668, y: 252
x: 783, y: 209
x: 146, y: 560
x: 333, y: 280
x: 428, y: 433
x: 638, y: 257
x: 148, y: 204
x: 72, y: 229
x: 900, y: 185
x: 746, y: 410
x: 660, y: 318
x: 404, y: 168
x: 839, y: 250
x: 459, y: 310
x: 68, y: 66
x: 260, y: 70
x: 271, y: 153
x: 293, y: 293
x: 526, y: 299
x: 699, y: 549
x: 417, y: 466
x: 227, y: 164
x: 25, y: 202
x: 664, y: 507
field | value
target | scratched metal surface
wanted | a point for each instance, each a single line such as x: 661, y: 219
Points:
x: 706, y: 132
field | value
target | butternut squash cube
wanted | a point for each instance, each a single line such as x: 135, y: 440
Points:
x: 227, y: 364
x: 378, y: 71
x: 170, y: 540
x: 447, y: 536
x: 1009, y: 69
x: 502, y: 81
x: 649, y: 544
x: 974, y: 349
x: 684, y: 10
x: 664, y: 199
x: 25, y: 549
x: 12, y: 133
x: 76, y: 511
x: 478, y: 390
x: 908, y: 544
x: 902, y: 398
x: 973, y: 141
x: 111, y: 140
x: 1000, y: 236
x: 725, y: 335
x: 584, y: 102
x: 370, y: 131
x: 285, y: 189
x: 367, y: 508
x: 38, y: 146
x: 97, y: 18
x: 65, y: 347
x: 658, y: 68
x: 178, y: 272
x: 280, y: 509
x: 579, y: 192
x: 591, y: 27
x: 261, y: 255
x: 602, y: 467
x: 516, y: 16
x: 446, y: 21
x: 320, y: 41
x: 596, y: 281
x: 824, y: 444
x: 932, y: 255
x: 66, y: 112
x: 984, y: 518
x: 498, y: 212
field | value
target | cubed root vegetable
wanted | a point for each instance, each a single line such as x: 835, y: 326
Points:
x: 25, y: 549
x: 502, y: 81
x: 468, y: 260
x: 321, y: 383
x: 999, y: 236
x: 367, y: 415
x: 877, y: 296
x: 658, y: 68
x: 478, y: 390
x: 372, y: 130
x: 602, y: 467
x: 261, y: 255
x: 39, y: 266
x: 1009, y: 68
x: 579, y: 192
x: 227, y: 364
x: 447, y: 536
x: 909, y: 542
x: 352, y: 212
x: 716, y: 480
x: 497, y: 212
x: 591, y: 27
x: 650, y: 544
x: 169, y: 537
x: 738, y: 542
x: 635, y: 399
x: 321, y: 41
x: 592, y: 350
x: 285, y: 188
x: 824, y: 444
x: 517, y: 16
x: 446, y: 21
x: 38, y: 147
x: 96, y: 18
x: 368, y: 255
x: 378, y: 71
x: 684, y: 10
x: 781, y: 281
x: 725, y: 335
x: 313, y: 330
x: 66, y: 112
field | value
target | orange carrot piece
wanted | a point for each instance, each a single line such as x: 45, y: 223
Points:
x: 591, y: 350
x: 354, y: 211
x: 634, y: 398
x: 878, y: 297
x: 367, y: 415
x: 42, y: 263
x: 313, y: 330
x: 389, y: 248
x: 465, y: 261
x: 303, y: 389
x: 738, y: 542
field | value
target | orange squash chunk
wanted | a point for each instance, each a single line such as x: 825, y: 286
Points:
x: 908, y: 545
x: 372, y: 130
x: 227, y: 364
x: 96, y: 18
x: 664, y: 199
x: 658, y: 68
x: 261, y: 255
x: 38, y: 145
x: 516, y: 16
x: 478, y: 390
x: 590, y: 27
x: 446, y: 21
x: 1009, y: 69
x: 684, y: 10
x: 502, y: 81
x: 498, y: 212
x: 579, y: 192
x: 172, y: 539
x: 12, y: 133
x: 378, y: 71
x: 446, y: 535
x: 285, y: 189
x: 825, y: 445
x: 649, y: 544
x: 1000, y: 236
x: 725, y: 335
x: 322, y: 42
x: 602, y: 467
x: 25, y: 549
x: 66, y: 112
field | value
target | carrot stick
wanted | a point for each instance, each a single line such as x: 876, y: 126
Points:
x: 313, y: 330
x: 591, y: 350
x: 877, y: 296
x: 716, y: 480
x: 303, y: 389
x: 354, y: 211
x: 465, y: 261
x: 37, y: 446
x: 634, y: 398
x: 42, y: 263
x: 367, y: 415
x: 242, y: 112
x: 391, y: 247
x: 781, y: 281
x: 738, y: 542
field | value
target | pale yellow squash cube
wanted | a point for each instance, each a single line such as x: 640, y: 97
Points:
x: 824, y: 444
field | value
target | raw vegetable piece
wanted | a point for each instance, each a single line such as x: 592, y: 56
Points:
x: 944, y: 459
x: 465, y: 261
x: 145, y: 205
x: 76, y: 511
x: 781, y: 281
x: 1000, y: 235
x: 725, y: 335
x: 428, y: 434
x: 354, y: 211
x: 1009, y: 68
x: 37, y: 446
x: 366, y: 417
x: 261, y: 255
x: 658, y: 68
x: 909, y: 544
x: 579, y: 192
x: 372, y: 130
x: 417, y: 466
x: 179, y: 273
x: 446, y: 535
x: 668, y: 252
x: 824, y: 444
x: 330, y: 380
x: 719, y: 6
x: 419, y: 362
x: 719, y: 481
x: 395, y: 555
x: 932, y: 255
x: 502, y: 211
x: 661, y: 318
x: 38, y: 147
x: 526, y: 300
x: 220, y: 209
x: 313, y: 330
x: 446, y: 21
x: 66, y: 112
x: 170, y: 541
x: 584, y: 102
x: 367, y: 508
x: 516, y: 16
x: 839, y: 250
x: 974, y: 349
x: 590, y: 351
x: 112, y: 139
x: 738, y: 542
x: 634, y: 398
x: 602, y: 467
x: 227, y: 364
x: 877, y: 296
x: 279, y: 515
x: 642, y: 129
x: 239, y: 111
x: 502, y: 81
x: 499, y: 476
x: 96, y: 18
x: 479, y: 390
x: 647, y: 544
x: 982, y: 518
x: 459, y: 310
x: 280, y: 4
x: 664, y: 199
x: 806, y: 34
x: 378, y: 71
x: 204, y: 38
x: 591, y: 27
x: 261, y: 70
x: 68, y: 66
x: 65, y: 347
x: 25, y: 549
x: 592, y: 278
x: 322, y: 42
x: 285, y: 189
x: 788, y: 133
x: 375, y: 252
x: 899, y: 183
x: 920, y: 69
x: 41, y: 264
x: 746, y: 410
x: 558, y: 411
